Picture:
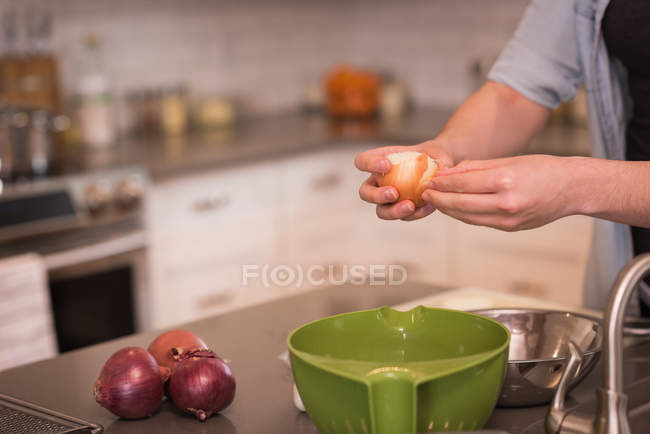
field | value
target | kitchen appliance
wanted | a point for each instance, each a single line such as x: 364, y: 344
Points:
x: 90, y: 233
x: 386, y: 371
x: 539, y: 351
x: 27, y: 137
x: 18, y: 416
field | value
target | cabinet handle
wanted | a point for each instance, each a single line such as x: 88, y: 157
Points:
x: 211, y: 301
x: 527, y: 288
x: 326, y: 181
x: 210, y: 204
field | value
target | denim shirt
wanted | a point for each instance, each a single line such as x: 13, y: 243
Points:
x: 557, y: 47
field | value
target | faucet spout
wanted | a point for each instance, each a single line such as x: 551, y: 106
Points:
x: 620, y: 296
x: 611, y: 417
x: 612, y: 402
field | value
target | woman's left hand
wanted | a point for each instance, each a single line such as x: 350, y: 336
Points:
x: 510, y: 194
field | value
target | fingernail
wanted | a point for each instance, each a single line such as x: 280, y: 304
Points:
x: 427, y: 208
x: 390, y: 195
x: 408, y: 207
x: 383, y: 166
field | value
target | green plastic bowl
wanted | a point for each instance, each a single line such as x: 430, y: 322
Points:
x: 385, y: 371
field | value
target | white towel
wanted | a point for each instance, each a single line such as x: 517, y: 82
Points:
x: 26, y: 321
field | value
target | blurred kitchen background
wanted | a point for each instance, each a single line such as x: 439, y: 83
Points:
x: 151, y: 149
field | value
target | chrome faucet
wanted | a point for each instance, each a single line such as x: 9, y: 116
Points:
x: 611, y: 413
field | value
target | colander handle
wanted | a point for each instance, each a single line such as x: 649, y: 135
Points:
x: 393, y: 402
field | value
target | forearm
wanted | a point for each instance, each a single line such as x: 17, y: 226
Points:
x: 495, y: 122
x: 612, y: 190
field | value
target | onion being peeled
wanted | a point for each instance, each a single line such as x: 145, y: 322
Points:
x: 169, y: 346
x: 410, y: 173
x: 130, y: 384
x: 202, y: 384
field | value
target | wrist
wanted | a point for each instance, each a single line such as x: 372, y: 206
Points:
x: 583, y: 185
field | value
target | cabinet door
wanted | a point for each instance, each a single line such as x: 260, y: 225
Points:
x: 421, y: 247
x: 202, y: 203
x: 203, y: 230
x: 318, y: 192
x: 204, y: 291
x: 327, y: 223
x: 546, y: 262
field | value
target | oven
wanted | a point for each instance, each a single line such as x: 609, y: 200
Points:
x: 89, y: 231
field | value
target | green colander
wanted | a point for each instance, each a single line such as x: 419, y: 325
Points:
x: 384, y: 371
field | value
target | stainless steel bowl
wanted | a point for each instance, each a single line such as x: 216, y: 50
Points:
x: 539, y: 351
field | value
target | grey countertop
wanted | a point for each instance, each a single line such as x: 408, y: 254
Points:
x: 286, y: 134
x: 251, y: 339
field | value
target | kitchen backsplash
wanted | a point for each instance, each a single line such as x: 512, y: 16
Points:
x: 268, y: 52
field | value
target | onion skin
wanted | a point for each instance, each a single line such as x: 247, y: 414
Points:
x: 410, y: 176
x: 130, y: 384
x: 202, y: 384
x: 167, y: 347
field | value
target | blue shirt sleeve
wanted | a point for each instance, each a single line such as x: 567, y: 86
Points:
x: 541, y: 61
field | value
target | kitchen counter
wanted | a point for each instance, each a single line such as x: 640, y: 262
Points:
x: 287, y: 134
x: 251, y: 339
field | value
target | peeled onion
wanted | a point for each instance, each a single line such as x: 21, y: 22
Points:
x: 130, y: 384
x: 410, y: 173
x: 169, y: 346
x: 202, y: 384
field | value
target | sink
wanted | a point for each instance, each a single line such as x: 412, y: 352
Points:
x: 638, y: 413
x: 636, y: 367
x: 639, y: 405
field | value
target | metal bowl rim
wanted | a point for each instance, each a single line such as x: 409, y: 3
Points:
x: 545, y: 311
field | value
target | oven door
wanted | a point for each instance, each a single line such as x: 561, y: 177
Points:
x: 98, y: 291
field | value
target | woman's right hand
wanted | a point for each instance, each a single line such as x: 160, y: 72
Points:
x: 386, y: 198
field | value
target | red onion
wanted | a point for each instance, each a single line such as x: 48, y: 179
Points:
x: 130, y: 384
x: 202, y: 384
x: 169, y: 346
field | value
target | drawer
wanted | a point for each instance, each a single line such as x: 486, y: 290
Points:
x: 321, y: 179
x: 569, y: 237
x: 422, y: 246
x: 193, y: 294
x: 254, y: 237
x: 207, y: 201
x: 557, y: 279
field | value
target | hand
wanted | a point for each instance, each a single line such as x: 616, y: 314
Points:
x: 375, y: 162
x: 510, y: 194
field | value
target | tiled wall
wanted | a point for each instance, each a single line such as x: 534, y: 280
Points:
x: 268, y: 51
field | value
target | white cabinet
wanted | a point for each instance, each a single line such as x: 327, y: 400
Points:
x: 305, y: 211
x: 320, y: 195
x: 325, y: 223
x: 422, y: 247
x: 546, y: 262
x: 203, y: 229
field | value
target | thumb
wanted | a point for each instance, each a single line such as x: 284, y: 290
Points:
x: 441, y: 156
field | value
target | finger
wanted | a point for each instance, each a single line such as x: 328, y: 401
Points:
x: 495, y: 221
x: 469, y: 165
x: 478, y: 181
x: 369, y: 192
x: 439, y: 154
x: 375, y: 160
x: 396, y: 211
x: 420, y: 212
x: 443, y: 161
x: 371, y: 161
x: 463, y: 202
